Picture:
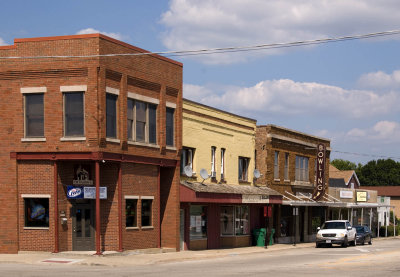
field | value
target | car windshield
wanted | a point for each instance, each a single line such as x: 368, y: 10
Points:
x: 360, y: 229
x: 334, y: 225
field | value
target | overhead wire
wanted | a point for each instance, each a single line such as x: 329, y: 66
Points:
x: 208, y: 51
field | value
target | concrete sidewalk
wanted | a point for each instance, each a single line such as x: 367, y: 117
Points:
x: 137, y: 257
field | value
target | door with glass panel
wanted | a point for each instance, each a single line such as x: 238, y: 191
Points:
x: 82, y: 227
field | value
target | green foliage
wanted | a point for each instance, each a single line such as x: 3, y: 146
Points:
x: 390, y: 231
x: 374, y: 173
x: 343, y: 164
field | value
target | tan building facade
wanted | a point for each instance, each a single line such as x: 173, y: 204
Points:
x: 220, y: 206
x: 286, y: 160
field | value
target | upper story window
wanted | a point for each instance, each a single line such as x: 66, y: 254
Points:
x: 142, y: 121
x: 243, y: 168
x: 74, y: 114
x: 169, y: 126
x: 301, y: 169
x: 276, y: 165
x: 286, y: 166
x: 34, y: 111
x: 222, y: 163
x: 213, y: 150
x: 111, y: 115
x: 187, y: 158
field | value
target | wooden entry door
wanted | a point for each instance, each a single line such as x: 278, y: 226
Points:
x: 83, y: 227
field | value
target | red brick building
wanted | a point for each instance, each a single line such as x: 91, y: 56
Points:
x: 79, y: 124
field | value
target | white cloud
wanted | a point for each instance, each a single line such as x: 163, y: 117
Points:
x: 194, y: 24
x: 287, y: 97
x: 94, y: 31
x: 380, y: 80
x: 2, y: 42
x: 383, y: 131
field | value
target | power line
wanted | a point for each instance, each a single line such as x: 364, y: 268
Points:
x: 209, y: 51
x: 367, y: 155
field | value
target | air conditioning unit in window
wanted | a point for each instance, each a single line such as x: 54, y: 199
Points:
x: 213, y: 174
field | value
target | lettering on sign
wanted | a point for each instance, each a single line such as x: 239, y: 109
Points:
x: 361, y: 196
x: 319, y: 191
x: 82, y: 175
x: 247, y: 198
x: 346, y: 194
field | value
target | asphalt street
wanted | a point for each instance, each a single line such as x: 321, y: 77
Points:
x: 379, y: 259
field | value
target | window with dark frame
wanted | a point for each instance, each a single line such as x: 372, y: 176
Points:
x: 111, y: 115
x: 222, y: 163
x: 131, y: 212
x: 34, y: 115
x: 36, y: 212
x: 169, y: 125
x: 213, y: 173
x: 142, y: 121
x: 73, y: 114
x: 243, y: 168
x: 147, y: 212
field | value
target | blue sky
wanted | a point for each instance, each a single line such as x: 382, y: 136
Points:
x: 348, y: 91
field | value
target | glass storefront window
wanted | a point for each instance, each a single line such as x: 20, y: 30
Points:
x: 227, y: 216
x: 235, y: 220
x: 198, y: 222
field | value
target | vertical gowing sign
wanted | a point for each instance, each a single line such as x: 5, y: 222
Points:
x: 320, y: 180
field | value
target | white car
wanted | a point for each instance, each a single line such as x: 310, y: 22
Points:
x: 336, y: 232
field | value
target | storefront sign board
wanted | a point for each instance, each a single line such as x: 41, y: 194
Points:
x: 249, y: 198
x: 346, y: 194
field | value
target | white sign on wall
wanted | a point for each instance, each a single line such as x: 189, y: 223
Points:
x: 346, y: 194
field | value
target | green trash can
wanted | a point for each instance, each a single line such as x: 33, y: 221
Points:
x: 271, y: 237
x: 259, y: 237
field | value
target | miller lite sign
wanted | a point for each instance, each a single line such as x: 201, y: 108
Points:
x: 319, y: 190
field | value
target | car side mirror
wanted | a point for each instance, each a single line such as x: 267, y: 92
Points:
x: 318, y: 228
x: 349, y: 228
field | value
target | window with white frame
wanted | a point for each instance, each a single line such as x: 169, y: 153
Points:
x: 213, y: 150
x: 243, y: 168
x: 34, y: 115
x: 187, y: 158
x: 286, y: 166
x: 142, y: 121
x: 222, y: 163
x: 169, y: 126
x: 111, y: 115
x: 276, y: 165
x: 301, y: 173
x: 74, y: 114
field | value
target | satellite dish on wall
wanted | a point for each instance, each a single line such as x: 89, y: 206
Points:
x: 188, y: 171
x: 204, y: 174
x: 256, y: 173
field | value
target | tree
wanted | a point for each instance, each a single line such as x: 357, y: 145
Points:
x: 380, y: 173
x: 343, y: 164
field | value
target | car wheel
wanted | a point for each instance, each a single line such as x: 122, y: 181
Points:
x: 317, y: 245
x: 355, y: 241
x: 370, y: 241
x: 363, y: 241
x: 345, y: 243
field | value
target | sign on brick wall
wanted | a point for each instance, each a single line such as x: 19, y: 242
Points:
x: 319, y: 190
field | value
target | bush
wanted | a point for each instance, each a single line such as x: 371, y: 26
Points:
x: 390, y: 231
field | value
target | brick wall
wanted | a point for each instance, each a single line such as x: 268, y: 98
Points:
x: 148, y: 73
x: 286, y: 141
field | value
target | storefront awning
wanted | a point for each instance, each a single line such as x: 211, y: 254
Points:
x: 304, y: 200
x: 225, y: 193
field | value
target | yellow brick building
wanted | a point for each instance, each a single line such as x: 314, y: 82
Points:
x: 224, y: 208
x: 219, y: 142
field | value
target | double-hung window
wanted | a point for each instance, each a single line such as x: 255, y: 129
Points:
x: 187, y: 159
x: 169, y: 126
x: 243, y: 168
x: 142, y: 121
x: 131, y: 211
x: 276, y: 165
x: 222, y: 163
x: 286, y: 177
x: 147, y: 211
x: 34, y: 111
x: 111, y: 115
x: 213, y: 150
x: 301, y: 173
x: 74, y: 114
